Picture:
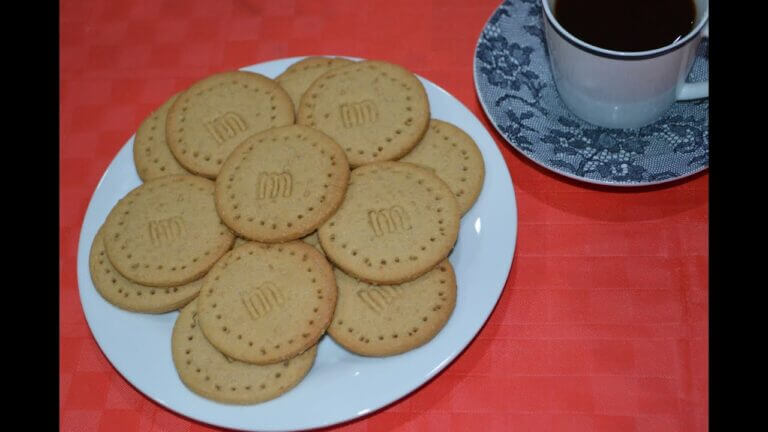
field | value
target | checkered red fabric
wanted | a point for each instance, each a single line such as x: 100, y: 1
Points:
x: 602, y: 325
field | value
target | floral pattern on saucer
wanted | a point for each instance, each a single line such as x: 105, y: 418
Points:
x: 515, y: 87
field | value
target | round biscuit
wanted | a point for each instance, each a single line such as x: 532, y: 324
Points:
x: 166, y: 232
x: 214, y: 115
x: 281, y: 184
x: 211, y: 374
x: 310, y: 239
x: 265, y: 303
x: 454, y: 157
x: 128, y: 295
x: 313, y: 240
x: 151, y: 154
x: 376, y: 111
x: 297, y: 78
x: 386, y: 320
x: 398, y: 220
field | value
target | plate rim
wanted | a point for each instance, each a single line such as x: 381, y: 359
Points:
x: 567, y: 174
x: 506, y: 182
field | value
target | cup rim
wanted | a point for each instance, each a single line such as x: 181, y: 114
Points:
x: 623, y: 55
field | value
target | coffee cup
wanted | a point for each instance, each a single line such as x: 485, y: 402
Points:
x: 623, y: 89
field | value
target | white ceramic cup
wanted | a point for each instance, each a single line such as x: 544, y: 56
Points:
x: 618, y: 89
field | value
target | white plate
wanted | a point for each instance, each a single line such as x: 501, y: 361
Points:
x: 341, y: 386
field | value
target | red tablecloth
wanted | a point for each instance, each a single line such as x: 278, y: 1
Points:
x: 602, y: 325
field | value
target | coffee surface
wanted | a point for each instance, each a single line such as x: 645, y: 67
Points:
x: 626, y: 25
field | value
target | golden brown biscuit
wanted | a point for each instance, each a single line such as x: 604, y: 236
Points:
x: 267, y: 303
x: 281, y: 184
x: 310, y: 239
x: 385, y: 320
x: 376, y: 111
x: 166, y: 232
x: 215, y: 114
x: 454, y: 157
x: 299, y: 76
x: 151, y: 154
x: 211, y: 374
x: 397, y: 221
x: 129, y: 295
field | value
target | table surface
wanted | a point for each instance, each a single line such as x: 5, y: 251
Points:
x: 603, y: 322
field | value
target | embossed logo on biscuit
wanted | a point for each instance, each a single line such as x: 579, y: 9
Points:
x: 359, y: 113
x: 166, y: 231
x: 262, y: 300
x: 390, y: 220
x: 274, y: 185
x: 378, y: 298
x: 226, y: 126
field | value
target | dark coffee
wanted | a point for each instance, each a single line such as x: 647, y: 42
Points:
x: 624, y: 25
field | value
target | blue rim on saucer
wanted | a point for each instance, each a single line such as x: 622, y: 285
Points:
x: 514, y: 84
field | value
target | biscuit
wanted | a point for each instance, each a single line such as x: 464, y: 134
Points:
x: 454, y: 157
x: 281, y: 184
x: 266, y: 303
x: 129, y: 295
x: 215, y: 114
x: 297, y: 78
x: 397, y: 221
x: 376, y: 111
x: 151, y: 154
x: 385, y: 320
x: 239, y: 241
x: 211, y: 374
x: 310, y: 239
x: 166, y: 232
x: 313, y: 240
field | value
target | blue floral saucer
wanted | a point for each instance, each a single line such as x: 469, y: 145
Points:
x: 515, y: 87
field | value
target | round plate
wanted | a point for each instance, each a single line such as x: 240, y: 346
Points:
x: 341, y: 385
x: 514, y: 84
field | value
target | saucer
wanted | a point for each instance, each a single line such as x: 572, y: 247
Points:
x: 514, y: 84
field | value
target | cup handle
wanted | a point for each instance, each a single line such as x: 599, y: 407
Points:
x: 697, y: 90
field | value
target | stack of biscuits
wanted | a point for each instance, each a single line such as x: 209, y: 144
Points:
x: 273, y: 211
